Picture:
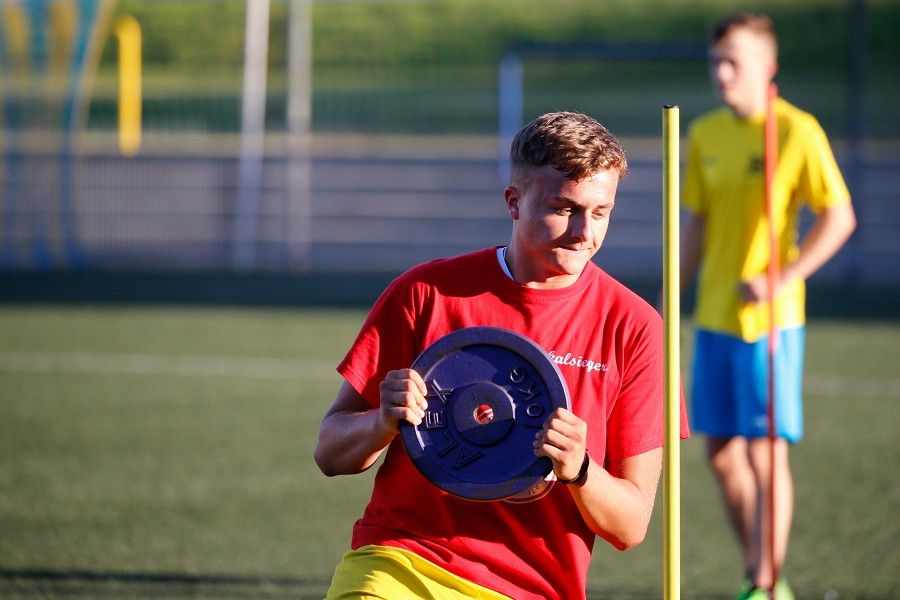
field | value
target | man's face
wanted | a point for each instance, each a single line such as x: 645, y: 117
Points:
x: 558, y: 225
x: 741, y: 66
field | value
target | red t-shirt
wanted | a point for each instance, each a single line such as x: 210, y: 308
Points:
x: 608, y: 344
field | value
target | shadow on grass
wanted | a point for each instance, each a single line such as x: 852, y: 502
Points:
x: 45, y: 583
x: 642, y: 595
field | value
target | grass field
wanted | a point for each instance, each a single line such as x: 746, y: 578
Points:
x: 166, y: 453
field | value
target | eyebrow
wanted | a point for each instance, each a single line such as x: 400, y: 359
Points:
x: 570, y: 202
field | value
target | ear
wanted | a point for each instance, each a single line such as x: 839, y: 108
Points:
x: 511, y: 195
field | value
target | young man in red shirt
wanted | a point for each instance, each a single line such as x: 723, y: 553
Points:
x: 417, y: 541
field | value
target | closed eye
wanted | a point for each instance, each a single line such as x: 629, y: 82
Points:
x: 566, y: 211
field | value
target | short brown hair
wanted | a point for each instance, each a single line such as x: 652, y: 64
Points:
x: 574, y: 144
x: 757, y: 23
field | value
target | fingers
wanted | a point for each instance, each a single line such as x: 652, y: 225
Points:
x: 403, y: 397
x: 563, y: 440
x: 754, y: 290
x: 757, y: 289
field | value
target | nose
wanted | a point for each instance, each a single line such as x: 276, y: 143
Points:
x: 720, y: 70
x: 581, y: 227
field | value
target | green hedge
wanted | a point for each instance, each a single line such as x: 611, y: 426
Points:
x: 430, y: 65
x: 814, y: 33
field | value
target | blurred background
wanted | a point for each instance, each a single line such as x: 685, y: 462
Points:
x: 318, y: 137
x: 199, y: 201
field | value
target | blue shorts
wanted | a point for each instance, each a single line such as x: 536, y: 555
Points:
x: 730, y: 385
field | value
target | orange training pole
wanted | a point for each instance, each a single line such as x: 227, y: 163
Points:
x: 774, y: 273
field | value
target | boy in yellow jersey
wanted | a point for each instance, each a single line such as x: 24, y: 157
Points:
x: 726, y: 243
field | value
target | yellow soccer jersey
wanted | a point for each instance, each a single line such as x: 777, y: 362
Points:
x: 725, y: 183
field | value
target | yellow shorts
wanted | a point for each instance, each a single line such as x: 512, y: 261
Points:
x: 382, y: 572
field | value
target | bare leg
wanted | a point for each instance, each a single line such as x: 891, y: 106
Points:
x: 730, y: 461
x: 762, y: 562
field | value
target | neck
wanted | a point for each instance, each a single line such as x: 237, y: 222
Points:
x: 527, y: 279
x: 753, y: 107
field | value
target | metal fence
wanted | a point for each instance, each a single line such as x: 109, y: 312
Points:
x: 348, y: 153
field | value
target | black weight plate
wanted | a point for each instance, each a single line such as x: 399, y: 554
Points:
x: 489, y: 392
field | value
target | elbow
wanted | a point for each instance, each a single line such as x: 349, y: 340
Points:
x: 851, y: 223
x: 332, y: 462
x: 633, y: 539
x: 627, y: 538
x: 325, y: 466
x: 844, y: 221
x: 328, y: 452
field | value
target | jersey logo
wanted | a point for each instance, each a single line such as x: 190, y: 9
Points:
x: 570, y: 360
x: 755, y: 166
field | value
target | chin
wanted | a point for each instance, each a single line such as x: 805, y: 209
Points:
x: 573, y: 266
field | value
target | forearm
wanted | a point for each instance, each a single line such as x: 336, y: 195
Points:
x: 351, y: 441
x: 616, y: 508
x: 825, y: 237
x: 353, y: 433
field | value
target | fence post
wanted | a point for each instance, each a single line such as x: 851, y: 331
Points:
x: 253, y: 124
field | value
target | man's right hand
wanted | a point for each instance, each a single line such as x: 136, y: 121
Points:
x: 402, y: 398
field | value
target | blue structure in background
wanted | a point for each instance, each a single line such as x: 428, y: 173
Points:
x: 46, y: 47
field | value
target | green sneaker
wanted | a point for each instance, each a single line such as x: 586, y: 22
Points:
x: 745, y: 590
x: 782, y: 591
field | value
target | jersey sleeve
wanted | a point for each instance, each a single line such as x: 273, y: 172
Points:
x: 385, y: 342
x: 636, y: 424
x: 821, y: 184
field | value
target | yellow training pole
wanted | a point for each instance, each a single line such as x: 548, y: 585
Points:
x: 672, y: 385
x: 128, y: 31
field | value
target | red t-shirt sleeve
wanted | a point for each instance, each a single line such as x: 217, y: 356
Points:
x: 386, y: 342
x: 636, y: 424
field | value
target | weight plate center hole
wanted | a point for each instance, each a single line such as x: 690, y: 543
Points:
x: 484, y: 414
